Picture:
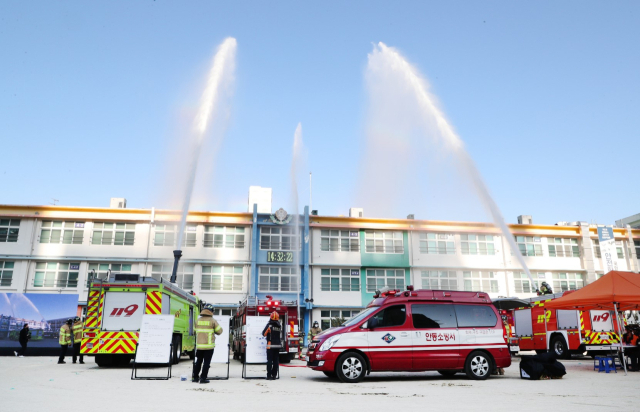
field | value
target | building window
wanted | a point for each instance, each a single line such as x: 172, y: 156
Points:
x: 222, y: 278
x: 165, y: 235
x: 563, y: 282
x: 477, y: 245
x: 184, y: 277
x: 56, y: 275
x: 62, y: 232
x: 439, y: 279
x: 223, y: 312
x: 102, y: 270
x: 636, y: 243
x: 335, y: 317
x: 383, y: 242
x: 437, y: 244
x: 332, y: 240
x: 620, y: 249
x: 475, y: 281
x: 230, y: 237
x: 6, y: 273
x: 379, y: 278
x: 345, y: 280
x: 278, y: 279
x: 523, y: 284
x: 563, y: 247
x: 529, y: 245
x: 278, y: 238
x: 9, y: 229
x: 118, y: 234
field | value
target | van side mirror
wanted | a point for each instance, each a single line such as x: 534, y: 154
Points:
x: 373, y: 323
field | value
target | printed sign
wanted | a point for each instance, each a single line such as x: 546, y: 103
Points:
x: 608, y: 248
x: 154, y: 344
x: 221, y: 351
x: 256, y: 351
x: 601, y: 321
x: 123, y: 310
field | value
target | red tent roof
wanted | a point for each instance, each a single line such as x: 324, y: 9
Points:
x: 623, y: 288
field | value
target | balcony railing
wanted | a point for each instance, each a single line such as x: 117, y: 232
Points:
x: 385, y: 249
x: 340, y: 248
x: 437, y: 250
x: 224, y: 244
x: 279, y: 246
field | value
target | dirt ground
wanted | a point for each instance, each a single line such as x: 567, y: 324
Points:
x: 38, y: 383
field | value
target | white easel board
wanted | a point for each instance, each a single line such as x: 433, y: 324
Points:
x: 221, y: 352
x: 154, y: 342
x: 256, y: 350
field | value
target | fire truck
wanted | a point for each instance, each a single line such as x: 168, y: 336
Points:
x: 562, y: 331
x: 114, y: 315
x: 252, y: 306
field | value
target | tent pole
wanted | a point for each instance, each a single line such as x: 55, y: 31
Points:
x: 624, y: 362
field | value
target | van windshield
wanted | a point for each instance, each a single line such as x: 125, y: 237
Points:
x: 359, y: 316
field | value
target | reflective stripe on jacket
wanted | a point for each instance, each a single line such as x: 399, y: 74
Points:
x: 65, y: 335
x: 206, y: 327
x: 77, y: 332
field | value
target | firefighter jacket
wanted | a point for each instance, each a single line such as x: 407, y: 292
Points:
x: 206, y: 327
x: 65, y: 335
x: 272, y: 332
x: 313, y: 332
x: 77, y: 332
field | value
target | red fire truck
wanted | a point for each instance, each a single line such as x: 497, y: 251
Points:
x: 252, y: 306
x: 564, y: 331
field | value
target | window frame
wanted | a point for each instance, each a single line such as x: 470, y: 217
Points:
x: 385, y: 276
x: 481, y: 280
x: 451, y: 275
x: 340, y: 286
x: 9, y: 230
x: 182, y: 277
x: 339, y: 240
x: 232, y: 277
x: 274, y: 231
x: 6, y: 272
x: 434, y: 243
x: 477, y: 244
x: 211, y: 232
x: 377, y: 242
x: 57, y: 282
x: 128, y: 234
x: 277, y: 272
x: 75, y: 227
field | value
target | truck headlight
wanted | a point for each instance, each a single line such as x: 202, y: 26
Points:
x: 329, y: 343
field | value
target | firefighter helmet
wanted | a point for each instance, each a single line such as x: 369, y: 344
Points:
x: 208, y: 307
x: 315, y: 324
x: 76, y: 319
x: 274, y: 316
x: 69, y: 321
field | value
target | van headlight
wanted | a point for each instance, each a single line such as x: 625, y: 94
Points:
x: 329, y: 343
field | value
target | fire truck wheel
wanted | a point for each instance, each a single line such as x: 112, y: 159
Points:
x: 559, y: 347
x: 177, y: 348
x: 351, y: 367
x: 478, y: 366
x: 447, y: 373
x: 540, y: 351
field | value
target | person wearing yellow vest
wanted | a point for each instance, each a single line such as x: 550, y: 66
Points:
x: 206, y: 329
x: 77, y: 339
x: 65, y: 339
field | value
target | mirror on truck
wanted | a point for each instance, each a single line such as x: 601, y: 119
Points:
x: 372, y: 323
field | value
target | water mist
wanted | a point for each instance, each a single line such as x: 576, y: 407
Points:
x: 220, y: 75
x: 396, y: 88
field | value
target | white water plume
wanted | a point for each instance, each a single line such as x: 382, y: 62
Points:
x: 298, y: 158
x: 406, y: 123
x: 19, y: 297
x: 221, y: 72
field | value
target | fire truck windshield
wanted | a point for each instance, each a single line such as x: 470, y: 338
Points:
x: 359, y: 316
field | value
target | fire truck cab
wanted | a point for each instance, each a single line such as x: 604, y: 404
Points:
x: 422, y: 330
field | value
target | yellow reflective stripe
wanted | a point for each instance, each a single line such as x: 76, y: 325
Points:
x: 218, y: 328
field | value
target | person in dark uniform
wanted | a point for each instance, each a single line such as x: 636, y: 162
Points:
x: 272, y: 332
x: 24, y: 337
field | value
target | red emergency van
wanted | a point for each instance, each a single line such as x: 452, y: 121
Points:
x: 422, y: 330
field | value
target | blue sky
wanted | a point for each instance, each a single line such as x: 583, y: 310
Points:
x: 544, y: 94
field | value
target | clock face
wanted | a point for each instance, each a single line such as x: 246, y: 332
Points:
x: 281, y: 257
x: 281, y: 214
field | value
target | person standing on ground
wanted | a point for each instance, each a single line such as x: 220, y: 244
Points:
x: 206, y: 327
x: 77, y: 339
x: 315, y: 330
x: 65, y: 339
x: 24, y: 337
x: 272, y: 332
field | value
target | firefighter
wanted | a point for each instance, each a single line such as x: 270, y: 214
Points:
x: 77, y: 339
x: 206, y: 329
x: 272, y: 332
x: 315, y: 329
x: 545, y: 289
x: 300, y: 344
x: 65, y: 339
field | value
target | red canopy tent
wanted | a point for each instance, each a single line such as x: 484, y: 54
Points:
x: 616, y: 291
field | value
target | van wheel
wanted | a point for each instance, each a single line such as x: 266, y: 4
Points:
x: 447, y: 372
x: 559, y: 348
x: 351, y: 367
x: 478, y: 366
x: 331, y: 375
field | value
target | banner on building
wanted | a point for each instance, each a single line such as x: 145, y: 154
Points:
x: 44, y: 312
x: 608, y: 248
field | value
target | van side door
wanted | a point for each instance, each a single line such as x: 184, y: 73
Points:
x: 435, y: 338
x: 478, y: 329
x: 390, y: 342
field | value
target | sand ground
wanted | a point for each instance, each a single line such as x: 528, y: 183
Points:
x: 39, y: 384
